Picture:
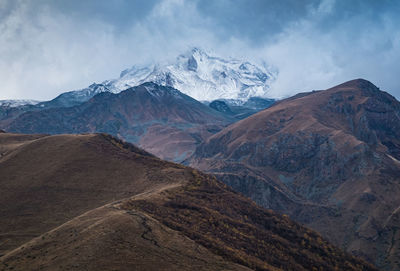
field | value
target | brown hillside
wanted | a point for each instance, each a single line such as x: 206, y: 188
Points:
x: 154, y: 214
x: 48, y: 180
x: 329, y: 159
x: 110, y: 239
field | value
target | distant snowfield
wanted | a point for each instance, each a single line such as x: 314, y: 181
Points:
x: 16, y: 103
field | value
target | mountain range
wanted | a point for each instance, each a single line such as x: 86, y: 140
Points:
x: 94, y: 202
x: 155, y: 115
x: 195, y: 73
x: 160, y: 119
x: 327, y: 159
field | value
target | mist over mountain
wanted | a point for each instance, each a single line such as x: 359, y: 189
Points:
x: 195, y: 73
x: 200, y: 135
x: 150, y: 117
x: 202, y: 76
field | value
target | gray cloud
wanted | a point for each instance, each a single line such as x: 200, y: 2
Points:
x: 48, y: 47
x: 254, y: 20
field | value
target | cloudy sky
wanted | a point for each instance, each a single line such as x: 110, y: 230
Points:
x: 51, y: 46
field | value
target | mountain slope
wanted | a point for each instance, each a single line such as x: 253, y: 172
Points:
x: 329, y: 159
x: 111, y: 239
x: 134, y: 211
x: 160, y: 119
x: 48, y: 180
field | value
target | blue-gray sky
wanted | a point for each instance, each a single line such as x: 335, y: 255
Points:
x: 51, y: 46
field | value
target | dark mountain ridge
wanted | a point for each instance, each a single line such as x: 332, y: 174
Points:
x: 160, y: 119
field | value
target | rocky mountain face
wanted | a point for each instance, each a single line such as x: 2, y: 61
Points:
x: 94, y: 202
x: 160, y: 119
x: 9, y: 113
x: 329, y: 159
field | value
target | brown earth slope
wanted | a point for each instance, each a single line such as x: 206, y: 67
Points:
x: 329, y: 159
x: 91, y: 202
x: 47, y: 180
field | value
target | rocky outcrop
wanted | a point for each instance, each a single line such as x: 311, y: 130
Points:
x: 221, y: 106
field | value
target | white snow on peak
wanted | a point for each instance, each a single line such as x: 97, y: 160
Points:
x: 16, y: 103
x: 201, y: 76
x: 157, y: 91
x: 90, y: 91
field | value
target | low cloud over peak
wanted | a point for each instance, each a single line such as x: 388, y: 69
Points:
x: 48, y: 47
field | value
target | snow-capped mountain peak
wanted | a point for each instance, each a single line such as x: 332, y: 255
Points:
x: 201, y: 76
x: 195, y: 73
x: 159, y: 91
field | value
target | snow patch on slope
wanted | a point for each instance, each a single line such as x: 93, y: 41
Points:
x: 16, y: 103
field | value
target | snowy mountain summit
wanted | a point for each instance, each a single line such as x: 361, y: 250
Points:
x: 196, y: 74
x: 201, y: 76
